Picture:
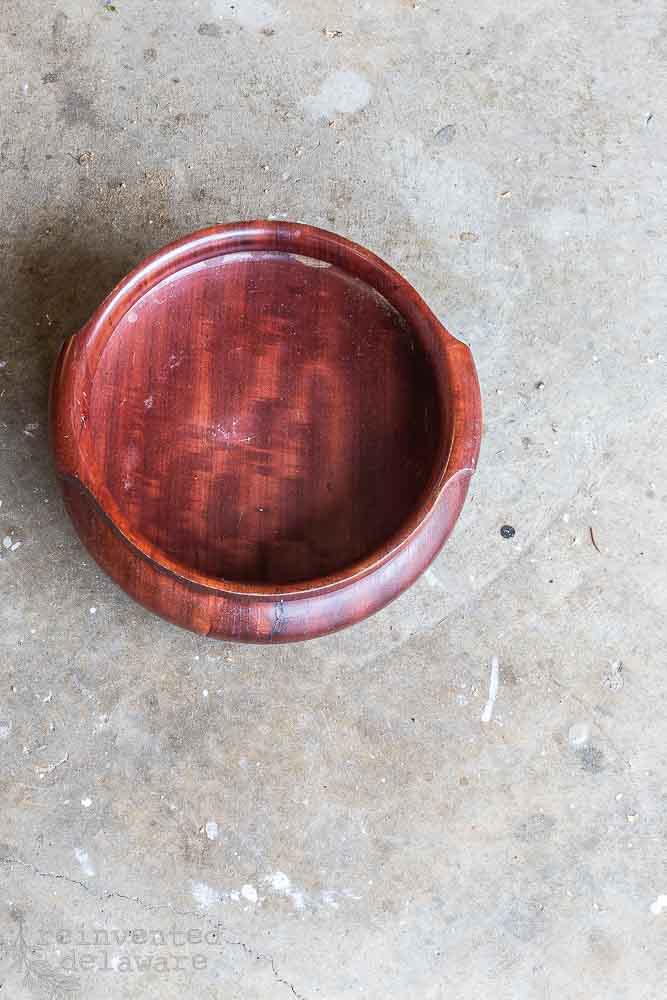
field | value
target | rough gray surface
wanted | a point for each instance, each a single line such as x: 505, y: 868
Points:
x: 335, y: 817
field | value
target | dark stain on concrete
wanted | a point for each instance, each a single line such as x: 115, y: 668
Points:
x: 209, y: 30
x: 537, y: 827
x: 524, y: 919
x: 592, y: 759
x: 59, y: 31
x: 77, y: 109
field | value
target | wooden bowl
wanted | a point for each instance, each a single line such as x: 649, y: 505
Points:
x: 263, y: 433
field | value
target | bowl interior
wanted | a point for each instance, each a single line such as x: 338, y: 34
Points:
x: 264, y: 417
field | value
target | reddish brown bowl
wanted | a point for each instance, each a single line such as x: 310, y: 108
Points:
x: 263, y: 433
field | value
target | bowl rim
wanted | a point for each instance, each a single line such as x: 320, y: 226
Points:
x: 455, y: 375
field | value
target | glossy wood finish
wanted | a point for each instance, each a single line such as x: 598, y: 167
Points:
x: 263, y: 433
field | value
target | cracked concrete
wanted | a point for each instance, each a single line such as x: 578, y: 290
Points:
x: 374, y: 813
x: 112, y: 894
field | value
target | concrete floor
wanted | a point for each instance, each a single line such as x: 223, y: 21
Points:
x: 334, y: 819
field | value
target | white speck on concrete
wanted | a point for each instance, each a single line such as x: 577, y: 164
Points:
x: 212, y: 829
x: 344, y: 91
x: 86, y: 803
x: 280, y: 883
x: 205, y: 692
x: 204, y: 895
x: 613, y: 679
x: 251, y: 14
x: 51, y: 767
x: 494, y: 683
x: 434, y: 580
x: 93, y: 611
x: 659, y: 905
x: 282, y: 886
x: 579, y: 734
x: 5, y: 729
x: 85, y: 864
x: 298, y: 899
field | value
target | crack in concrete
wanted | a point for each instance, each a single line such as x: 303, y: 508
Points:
x: 150, y: 907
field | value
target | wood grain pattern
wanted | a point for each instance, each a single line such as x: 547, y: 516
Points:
x: 263, y: 433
